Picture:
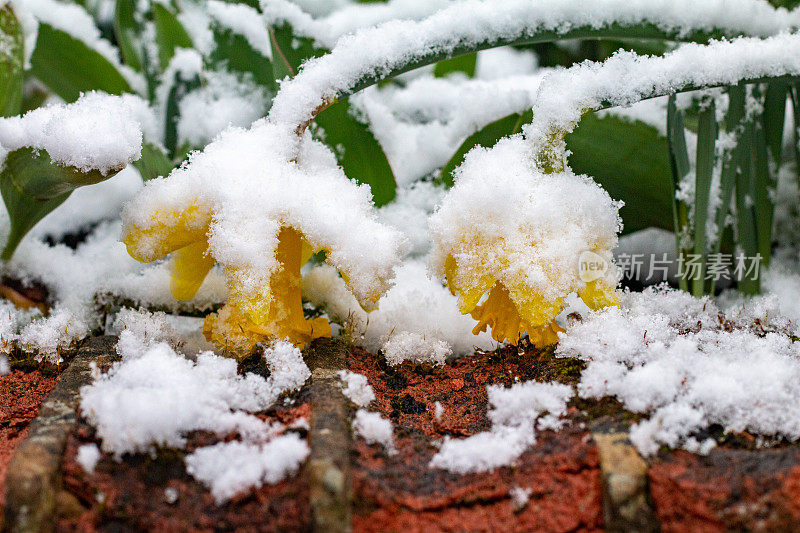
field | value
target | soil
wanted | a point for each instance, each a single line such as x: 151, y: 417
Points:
x: 21, y: 394
x: 401, y: 493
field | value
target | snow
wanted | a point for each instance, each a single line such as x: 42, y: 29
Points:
x: 374, y: 429
x: 326, y: 30
x: 97, y: 132
x: 88, y: 457
x: 513, y: 413
x: 689, y: 364
x: 222, y: 101
x: 154, y: 397
x: 390, y: 46
x: 567, y: 94
x: 519, y: 496
x: 409, y: 345
x: 356, y: 388
x: 244, y: 20
x: 5, y: 366
x: 419, y: 313
x: 48, y: 336
x: 230, y: 468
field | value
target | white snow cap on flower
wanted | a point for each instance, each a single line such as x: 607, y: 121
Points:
x: 503, y: 207
x: 97, y: 132
x: 251, y: 183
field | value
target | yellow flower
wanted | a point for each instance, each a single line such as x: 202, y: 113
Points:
x: 510, y: 312
x: 274, y: 311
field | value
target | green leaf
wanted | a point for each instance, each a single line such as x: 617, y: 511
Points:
x: 763, y: 183
x: 747, y: 232
x: 180, y: 88
x: 234, y: 51
x: 153, y: 163
x: 32, y: 186
x: 127, y: 32
x: 774, y: 116
x: 486, y: 137
x: 679, y: 165
x: 357, y: 151
x: 631, y: 162
x: 68, y: 67
x: 170, y: 34
x: 706, y: 146
x: 465, y: 64
x: 36, y: 175
x: 11, y: 59
x: 289, y: 52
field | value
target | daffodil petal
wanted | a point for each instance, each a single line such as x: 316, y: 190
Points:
x: 190, y: 266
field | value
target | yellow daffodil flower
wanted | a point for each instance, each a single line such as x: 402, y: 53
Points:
x: 276, y: 312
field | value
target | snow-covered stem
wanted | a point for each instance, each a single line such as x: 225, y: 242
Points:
x: 568, y: 94
x: 375, y: 54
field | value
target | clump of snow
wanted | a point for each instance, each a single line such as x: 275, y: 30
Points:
x: 170, y: 495
x: 48, y: 336
x: 689, y: 364
x: 155, y: 398
x: 140, y: 329
x: 506, y: 220
x: 399, y: 347
x: 229, y: 468
x: 519, y: 496
x: 12, y: 319
x: 374, y: 429
x: 438, y: 411
x: 325, y: 30
x: 88, y: 457
x: 418, y: 312
x: 356, y: 387
x: 97, y: 132
x: 515, y: 413
x: 5, y: 366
